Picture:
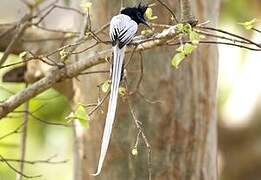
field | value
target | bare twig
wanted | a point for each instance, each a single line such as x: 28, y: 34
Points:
x: 15, y: 131
x: 41, y: 120
x: 45, y: 161
x: 218, y: 42
x: 140, y: 130
x: 131, y: 56
x: 221, y: 37
x: 9, y: 30
x: 94, y: 72
x: 55, y: 30
x: 7, y: 90
x: 148, y: 100
x: 141, y: 75
x: 11, y: 167
x: 254, y: 29
x: 21, y: 28
x: 171, y: 12
x: 99, y: 104
x: 231, y: 34
x: 23, y: 140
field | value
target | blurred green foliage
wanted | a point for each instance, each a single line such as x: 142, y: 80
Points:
x: 43, y: 140
x: 239, y: 10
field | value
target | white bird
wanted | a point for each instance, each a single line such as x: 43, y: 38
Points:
x: 123, y: 28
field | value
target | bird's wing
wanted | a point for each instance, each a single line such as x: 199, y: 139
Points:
x: 122, y: 30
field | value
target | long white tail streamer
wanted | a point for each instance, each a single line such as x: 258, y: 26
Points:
x: 116, y: 77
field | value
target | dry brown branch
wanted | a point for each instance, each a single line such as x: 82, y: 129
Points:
x: 72, y: 70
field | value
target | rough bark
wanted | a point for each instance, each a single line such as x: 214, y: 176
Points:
x: 181, y: 130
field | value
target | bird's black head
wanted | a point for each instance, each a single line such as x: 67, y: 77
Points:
x: 136, y: 13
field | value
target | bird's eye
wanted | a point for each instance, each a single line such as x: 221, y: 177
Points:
x: 138, y: 14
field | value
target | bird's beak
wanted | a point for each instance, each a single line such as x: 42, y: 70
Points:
x: 146, y: 24
x: 143, y: 21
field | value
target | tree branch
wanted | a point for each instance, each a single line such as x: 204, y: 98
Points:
x: 72, y: 70
x: 186, y: 13
x: 18, y: 35
x: 23, y: 140
x: 2, y: 159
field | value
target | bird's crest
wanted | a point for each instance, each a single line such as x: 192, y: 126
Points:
x: 142, y: 8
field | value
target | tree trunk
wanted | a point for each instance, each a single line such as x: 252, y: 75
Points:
x: 181, y: 129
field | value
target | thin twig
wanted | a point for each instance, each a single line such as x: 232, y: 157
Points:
x: 9, y: 48
x: 148, y: 100
x: 15, y: 131
x: 43, y: 121
x: 131, y: 56
x: 229, y: 33
x: 171, y: 12
x: 55, y: 30
x: 9, y: 30
x: 99, y: 104
x: 86, y: 49
x: 218, y: 42
x: 140, y: 130
x: 7, y: 90
x: 259, y: 31
x: 94, y: 72
x: 15, y: 170
x: 46, y: 161
x: 220, y: 37
x: 141, y: 75
x: 23, y: 140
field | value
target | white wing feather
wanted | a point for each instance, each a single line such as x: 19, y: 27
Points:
x: 122, y: 25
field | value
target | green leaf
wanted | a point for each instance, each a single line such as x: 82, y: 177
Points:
x: 194, y: 37
x: 149, y: 14
x: 180, y: 48
x: 249, y: 24
x: 187, y: 28
x: 69, y: 34
x: 122, y: 91
x: 38, y: 1
x: 70, y: 117
x: 180, y: 27
x: 82, y: 116
x: 147, y: 31
x: 22, y: 55
x: 183, y: 28
x: 177, y: 59
x: 105, y: 86
x: 188, y: 48
x: 63, y: 54
x: 85, y: 5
